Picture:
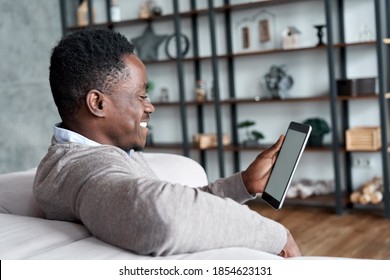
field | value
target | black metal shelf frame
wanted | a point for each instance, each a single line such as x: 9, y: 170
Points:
x: 383, y: 102
x: 382, y: 97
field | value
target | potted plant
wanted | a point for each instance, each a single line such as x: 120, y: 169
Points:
x: 252, y: 136
x: 319, y: 128
x: 150, y: 86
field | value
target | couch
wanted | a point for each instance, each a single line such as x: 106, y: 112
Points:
x: 26, y: 234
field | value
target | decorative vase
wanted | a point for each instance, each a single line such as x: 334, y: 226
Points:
x: 320, y: 34
x: 315, y: 140
x: 251, y: 143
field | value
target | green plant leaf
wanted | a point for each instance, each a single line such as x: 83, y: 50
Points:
x: 246, y: 123
x: 257, y: 135
x: 319, y: 126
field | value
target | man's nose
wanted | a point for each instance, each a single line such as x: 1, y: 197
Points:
x: 149, y: 107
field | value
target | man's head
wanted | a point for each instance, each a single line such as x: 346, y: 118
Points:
x: 99, y: 87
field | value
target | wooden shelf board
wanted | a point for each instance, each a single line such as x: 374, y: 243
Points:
x: 242, y: 101
x: 255, y: 4
x: 352, y: 44
x: 317, y: 200
x: 164, y: 146
x: 166, y: 104
x: 268, y: 100
x: 262, y: 52
x: 357, y: 97
x: 274, y: 100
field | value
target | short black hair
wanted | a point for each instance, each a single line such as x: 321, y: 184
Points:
x: 83, y: 60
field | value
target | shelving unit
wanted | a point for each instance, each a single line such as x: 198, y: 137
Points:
x: 381, y: 97
x: 231, y: 102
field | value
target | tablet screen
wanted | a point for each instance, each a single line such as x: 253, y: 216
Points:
x: 285, y: 165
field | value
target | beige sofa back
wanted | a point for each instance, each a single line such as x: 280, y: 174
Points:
x: 16, y: 195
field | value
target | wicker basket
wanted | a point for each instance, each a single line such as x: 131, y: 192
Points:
x: 363, y: 138
x: 209, y: 140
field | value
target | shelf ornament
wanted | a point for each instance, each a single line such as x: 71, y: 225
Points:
x: 164, y: 95
x: 115, y: 11
x: 200, y: 91
x: 252, y: 136
x: 371, y: 192
x: 244, y: 30
x: 264, y: 23
x: 149, y: 8
x: 277, y: 82
x: 305, y: 188
x: 256, y: 32
x: 320, y: 34
x: 82, y: 14
x: 291, y: 38
x: 150, y: 86
x: 366, y: 34
x: 154, y: 8
x: 144, y: 10
x: 171, y: 48
x: 319, y: 128
x: 147, y: 44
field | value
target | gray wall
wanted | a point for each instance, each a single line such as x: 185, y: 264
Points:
x: 28, y: 31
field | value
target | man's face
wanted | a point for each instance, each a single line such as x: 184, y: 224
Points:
x: 129, y: 109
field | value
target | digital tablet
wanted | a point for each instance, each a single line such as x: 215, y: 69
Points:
x: 284, y: 168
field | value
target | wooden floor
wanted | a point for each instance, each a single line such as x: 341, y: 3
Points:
x: 320, y: 232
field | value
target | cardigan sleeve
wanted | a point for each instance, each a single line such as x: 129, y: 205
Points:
x: 231, y: 187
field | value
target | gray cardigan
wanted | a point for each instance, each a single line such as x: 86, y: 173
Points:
x: 121, y: 201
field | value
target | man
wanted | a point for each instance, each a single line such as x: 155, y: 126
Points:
x: 94, y: 173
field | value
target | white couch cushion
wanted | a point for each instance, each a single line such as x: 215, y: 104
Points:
x: 16, y: 195
x: 25, y: 237
x: 35, y: 238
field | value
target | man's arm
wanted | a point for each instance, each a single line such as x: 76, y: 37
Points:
x: 123, y: 206
x: 149, y: 216
x: 121, y: 203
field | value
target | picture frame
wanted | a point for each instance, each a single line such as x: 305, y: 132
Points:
x: 243, y: 30
x: 245, y: 33
x: 264, y: 31
x: 265, y: 23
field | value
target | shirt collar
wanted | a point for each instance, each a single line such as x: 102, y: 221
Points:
x: 63, y: 135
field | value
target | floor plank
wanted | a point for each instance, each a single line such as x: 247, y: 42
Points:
x: 320, y: 232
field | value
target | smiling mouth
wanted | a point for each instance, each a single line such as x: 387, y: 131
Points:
x: 143, y: 124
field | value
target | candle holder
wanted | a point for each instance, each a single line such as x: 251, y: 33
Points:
x: 320, y: 34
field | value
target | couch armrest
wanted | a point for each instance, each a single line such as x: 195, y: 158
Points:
x: 177, y: 169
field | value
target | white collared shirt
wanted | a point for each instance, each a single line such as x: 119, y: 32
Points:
x: 63, y: 135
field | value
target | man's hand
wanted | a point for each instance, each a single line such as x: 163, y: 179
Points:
x: 256, y: 175
x: 291, y: 248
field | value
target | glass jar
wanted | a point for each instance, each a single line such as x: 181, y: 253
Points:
x: 164, y: 95
x: 200, y: 91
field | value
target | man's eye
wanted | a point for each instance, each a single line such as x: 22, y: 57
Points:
x: 144, y: 97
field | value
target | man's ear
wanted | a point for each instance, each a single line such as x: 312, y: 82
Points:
x: 96, y: 102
